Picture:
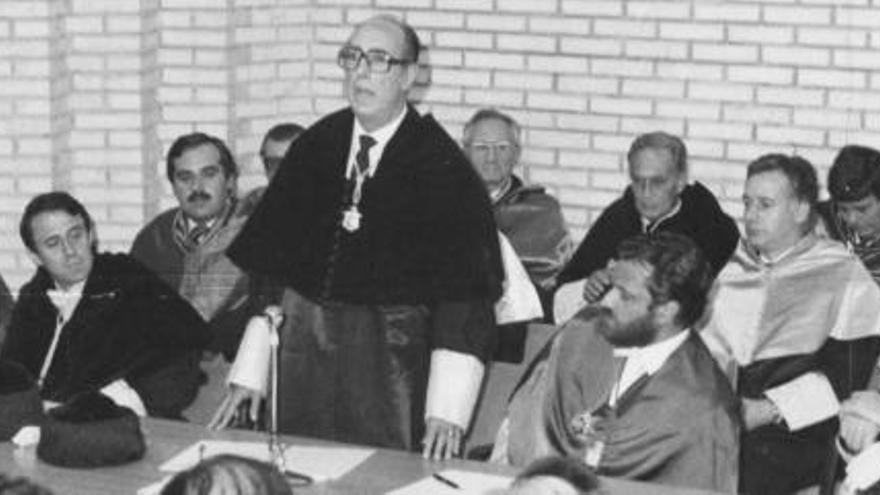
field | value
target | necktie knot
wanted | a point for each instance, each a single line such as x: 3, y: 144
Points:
x: 362, y: 159
x: 198, y: 232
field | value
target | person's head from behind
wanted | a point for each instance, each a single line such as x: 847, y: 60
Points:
x: 491, y: 140
x: 555, y: 476
x: 203, y: 175
x: 380, y: 61
x: 60, y: 237
x: 20, y: 486
x: 228, y: 475
x: 660, y: 285
x: 779, y: 202
x: 657, y: 172
x: 854, y: 187
x: 275, y: 144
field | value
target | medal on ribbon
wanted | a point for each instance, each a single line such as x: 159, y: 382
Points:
x: 351, y: 219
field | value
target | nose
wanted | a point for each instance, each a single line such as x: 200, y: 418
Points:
x: 850, y: 218
x: 68, y: 249
x: 750, y: 214
x: 491, y: 154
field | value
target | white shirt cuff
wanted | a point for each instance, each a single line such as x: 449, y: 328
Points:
x: 804, y: 401
x: 123, y: 395
x: 251, y: 366
x: 453, y: 386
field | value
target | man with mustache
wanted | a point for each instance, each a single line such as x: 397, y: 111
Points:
x: 186, y: 247
x: 796, y: 326
x: 628, y: 387
x: 382, y: 234
x: 90, y: 321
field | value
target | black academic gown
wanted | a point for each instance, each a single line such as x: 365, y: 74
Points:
x: 420, y: 273
x: 700, y: 218
x: 677, y: 427
x: 127, y: 325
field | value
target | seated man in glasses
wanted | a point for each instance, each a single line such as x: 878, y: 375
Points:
x: 383, y: 236
x: 529, y: 217
x: 658, y: 198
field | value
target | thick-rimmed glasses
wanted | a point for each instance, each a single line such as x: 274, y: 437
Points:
x: 378, y: 61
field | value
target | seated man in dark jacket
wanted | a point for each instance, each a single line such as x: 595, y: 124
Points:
x: 89, y: 321
x: 659, y: 198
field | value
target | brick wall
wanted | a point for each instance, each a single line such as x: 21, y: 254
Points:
x: 94, y: 91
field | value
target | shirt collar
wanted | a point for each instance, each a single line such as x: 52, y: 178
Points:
x: 382, y: 136
x: 499, y: 193
x: 649, y: 359
x: 646, y: 224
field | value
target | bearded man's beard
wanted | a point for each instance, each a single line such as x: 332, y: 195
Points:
x: 637, y: 333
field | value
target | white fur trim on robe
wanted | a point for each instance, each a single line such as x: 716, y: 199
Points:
x: 453, y: 386
x: 816, y: 291
x: 251, y: 366
x: 123, y: 395
x: 519, y: 300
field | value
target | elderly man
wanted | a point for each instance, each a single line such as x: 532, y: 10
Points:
x: 276, y: 142
x: 186, y: 247
x: 796, y: 323
x: 628, y: 387
x: 89, y: 321
x: 529, y: 217
x: 383, y: 235
x: 658, y: 198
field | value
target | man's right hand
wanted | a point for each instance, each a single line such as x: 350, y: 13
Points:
x: 234, y: 398
x: 596, y: 284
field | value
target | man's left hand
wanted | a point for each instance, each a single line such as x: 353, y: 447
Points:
x: 442, y: 440
x: 758, y: 412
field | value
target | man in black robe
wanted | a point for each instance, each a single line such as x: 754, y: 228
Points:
x: 659, y: 198
x: 628, y: 387
x: 89, y: 321
x: 383, y: 235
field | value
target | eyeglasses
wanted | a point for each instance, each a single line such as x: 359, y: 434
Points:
x: 378, y: 61
x: 483, y: 147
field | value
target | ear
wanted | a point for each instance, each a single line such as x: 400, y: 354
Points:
x: 666, y: 313
x: 680, y: 183
x: 802, y: 213
x: 410, y: 74
x: 232, y: 186
x: 34, y: 258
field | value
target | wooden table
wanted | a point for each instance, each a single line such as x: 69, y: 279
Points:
x: 385, y: 470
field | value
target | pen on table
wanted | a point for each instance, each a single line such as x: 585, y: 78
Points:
x: 446, y: 481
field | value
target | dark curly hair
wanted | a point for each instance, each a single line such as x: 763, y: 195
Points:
x: 680, y: 271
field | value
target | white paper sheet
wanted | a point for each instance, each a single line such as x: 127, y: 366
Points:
x: 468, y: 482
x: 321, y: 463
x: 804, y: 401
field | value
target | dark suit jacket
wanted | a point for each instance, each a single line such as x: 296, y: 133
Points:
x: 128, y: 325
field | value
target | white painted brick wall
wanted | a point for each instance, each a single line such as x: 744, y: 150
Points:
x: 94, y: 101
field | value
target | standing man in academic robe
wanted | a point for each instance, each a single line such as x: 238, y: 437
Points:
x: 658, y: 198
x: 627, y: 387
x: 796, y: 326
x: 383, y: 235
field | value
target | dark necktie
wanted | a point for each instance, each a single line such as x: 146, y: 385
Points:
x: 362, y: 158
x: 197, y: 233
